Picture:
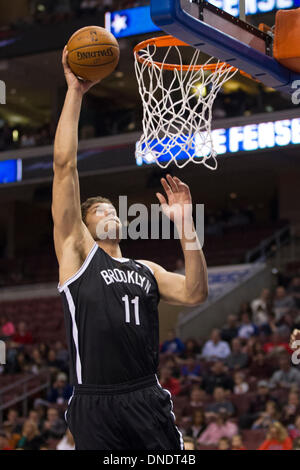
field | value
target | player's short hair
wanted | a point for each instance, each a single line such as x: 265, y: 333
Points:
x: 90, y: 202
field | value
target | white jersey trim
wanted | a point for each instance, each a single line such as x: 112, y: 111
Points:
x: 69, y: 402
x: 172, y: 413
x: 80, y: 270
x: 74, y: 333
x: 141, y: 262
x: 122, y: 260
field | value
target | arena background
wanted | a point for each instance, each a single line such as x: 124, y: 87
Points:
x: 252, y: 229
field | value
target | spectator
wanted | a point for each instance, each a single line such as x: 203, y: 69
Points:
x: 282, y: 302
x: 291, y: 409
x: 277, y: 438
x: 222, y: 427
x: 54, y: 427
x: 251, y: 346
x: 173, y: 344
x: 267, y: 417
x: 191, y: 370
x: 7, y: 328
x: 218, y: 377
x: 240, y: 385
x: 67, y: 442
x: 276, y: 345
x: 13, y: 421
x: 13, y: 437
x: 41, y: 408
x: 215, y: 348
x: 198, y: 424
x: 237, y: 443
x: 294, y: 290
x: 22, y: 336
x: 267, y: 329
x: 189, y: 443
x: 230, y: 330
x: 294, y: 429
x: 192, y: 349
x: 172, y: 364
x: 30, y: 438
x: 296, y: 444
x: 43, y: 348
x: 34, y: 417
x: 37, y: 362
x: 60, y: 391
x: 52, y: 362
x: 260, y: 368
x: 244, y: 308
x: 169, y: 382
x: 286, y: 324
x: 197, y: 400
x: 257, y: 405
x: 236, y: 359
x: 21, y: 364
x: 224, y: 443
x: 260, y: 308
x: 247, y: 329
x: 62, y: 354
x: 4, y: 442
x: 286, y: 376
x: 220, y: 403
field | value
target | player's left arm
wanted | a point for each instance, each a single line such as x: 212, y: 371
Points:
x: 192, y: 288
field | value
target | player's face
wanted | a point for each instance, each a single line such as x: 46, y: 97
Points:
x: 103, y: 222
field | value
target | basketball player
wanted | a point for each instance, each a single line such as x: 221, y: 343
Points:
x: 110, y: 305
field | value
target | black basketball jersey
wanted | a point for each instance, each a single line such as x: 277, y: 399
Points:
x: 111, y: 318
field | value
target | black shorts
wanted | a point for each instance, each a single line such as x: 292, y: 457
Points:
x: 135, y: 415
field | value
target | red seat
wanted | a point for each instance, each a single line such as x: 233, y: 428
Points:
x: 253, y: 438
x: 241, y: 402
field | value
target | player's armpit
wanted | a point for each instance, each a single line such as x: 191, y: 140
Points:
x: 172, y: 287
x: 66, y: 211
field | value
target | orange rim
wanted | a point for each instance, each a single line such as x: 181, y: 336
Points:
x: 167, y: 41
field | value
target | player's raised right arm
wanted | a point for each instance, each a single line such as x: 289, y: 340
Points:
x: 68, y: 225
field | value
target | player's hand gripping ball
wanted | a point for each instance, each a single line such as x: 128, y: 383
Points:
x: 93, y: 53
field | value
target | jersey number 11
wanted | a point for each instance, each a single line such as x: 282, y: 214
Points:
x: 135, y: 302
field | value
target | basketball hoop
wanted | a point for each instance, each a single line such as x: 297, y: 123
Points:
x: 177, y: 102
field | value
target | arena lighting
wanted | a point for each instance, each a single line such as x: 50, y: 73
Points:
x: 246, y: 138
x: 137, y: 20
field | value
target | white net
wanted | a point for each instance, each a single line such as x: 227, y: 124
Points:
x: 177, y: 107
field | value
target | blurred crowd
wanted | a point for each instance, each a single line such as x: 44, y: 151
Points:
x: 111, y: 123
x: 54, y: 11
x: 119, y: 121
x: 240, y: 379
x: 216, y: 223
x: 228, y: 103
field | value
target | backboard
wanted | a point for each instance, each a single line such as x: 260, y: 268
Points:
x: 221, y: 35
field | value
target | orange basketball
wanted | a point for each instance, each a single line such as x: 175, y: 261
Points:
x: 93, y: 53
